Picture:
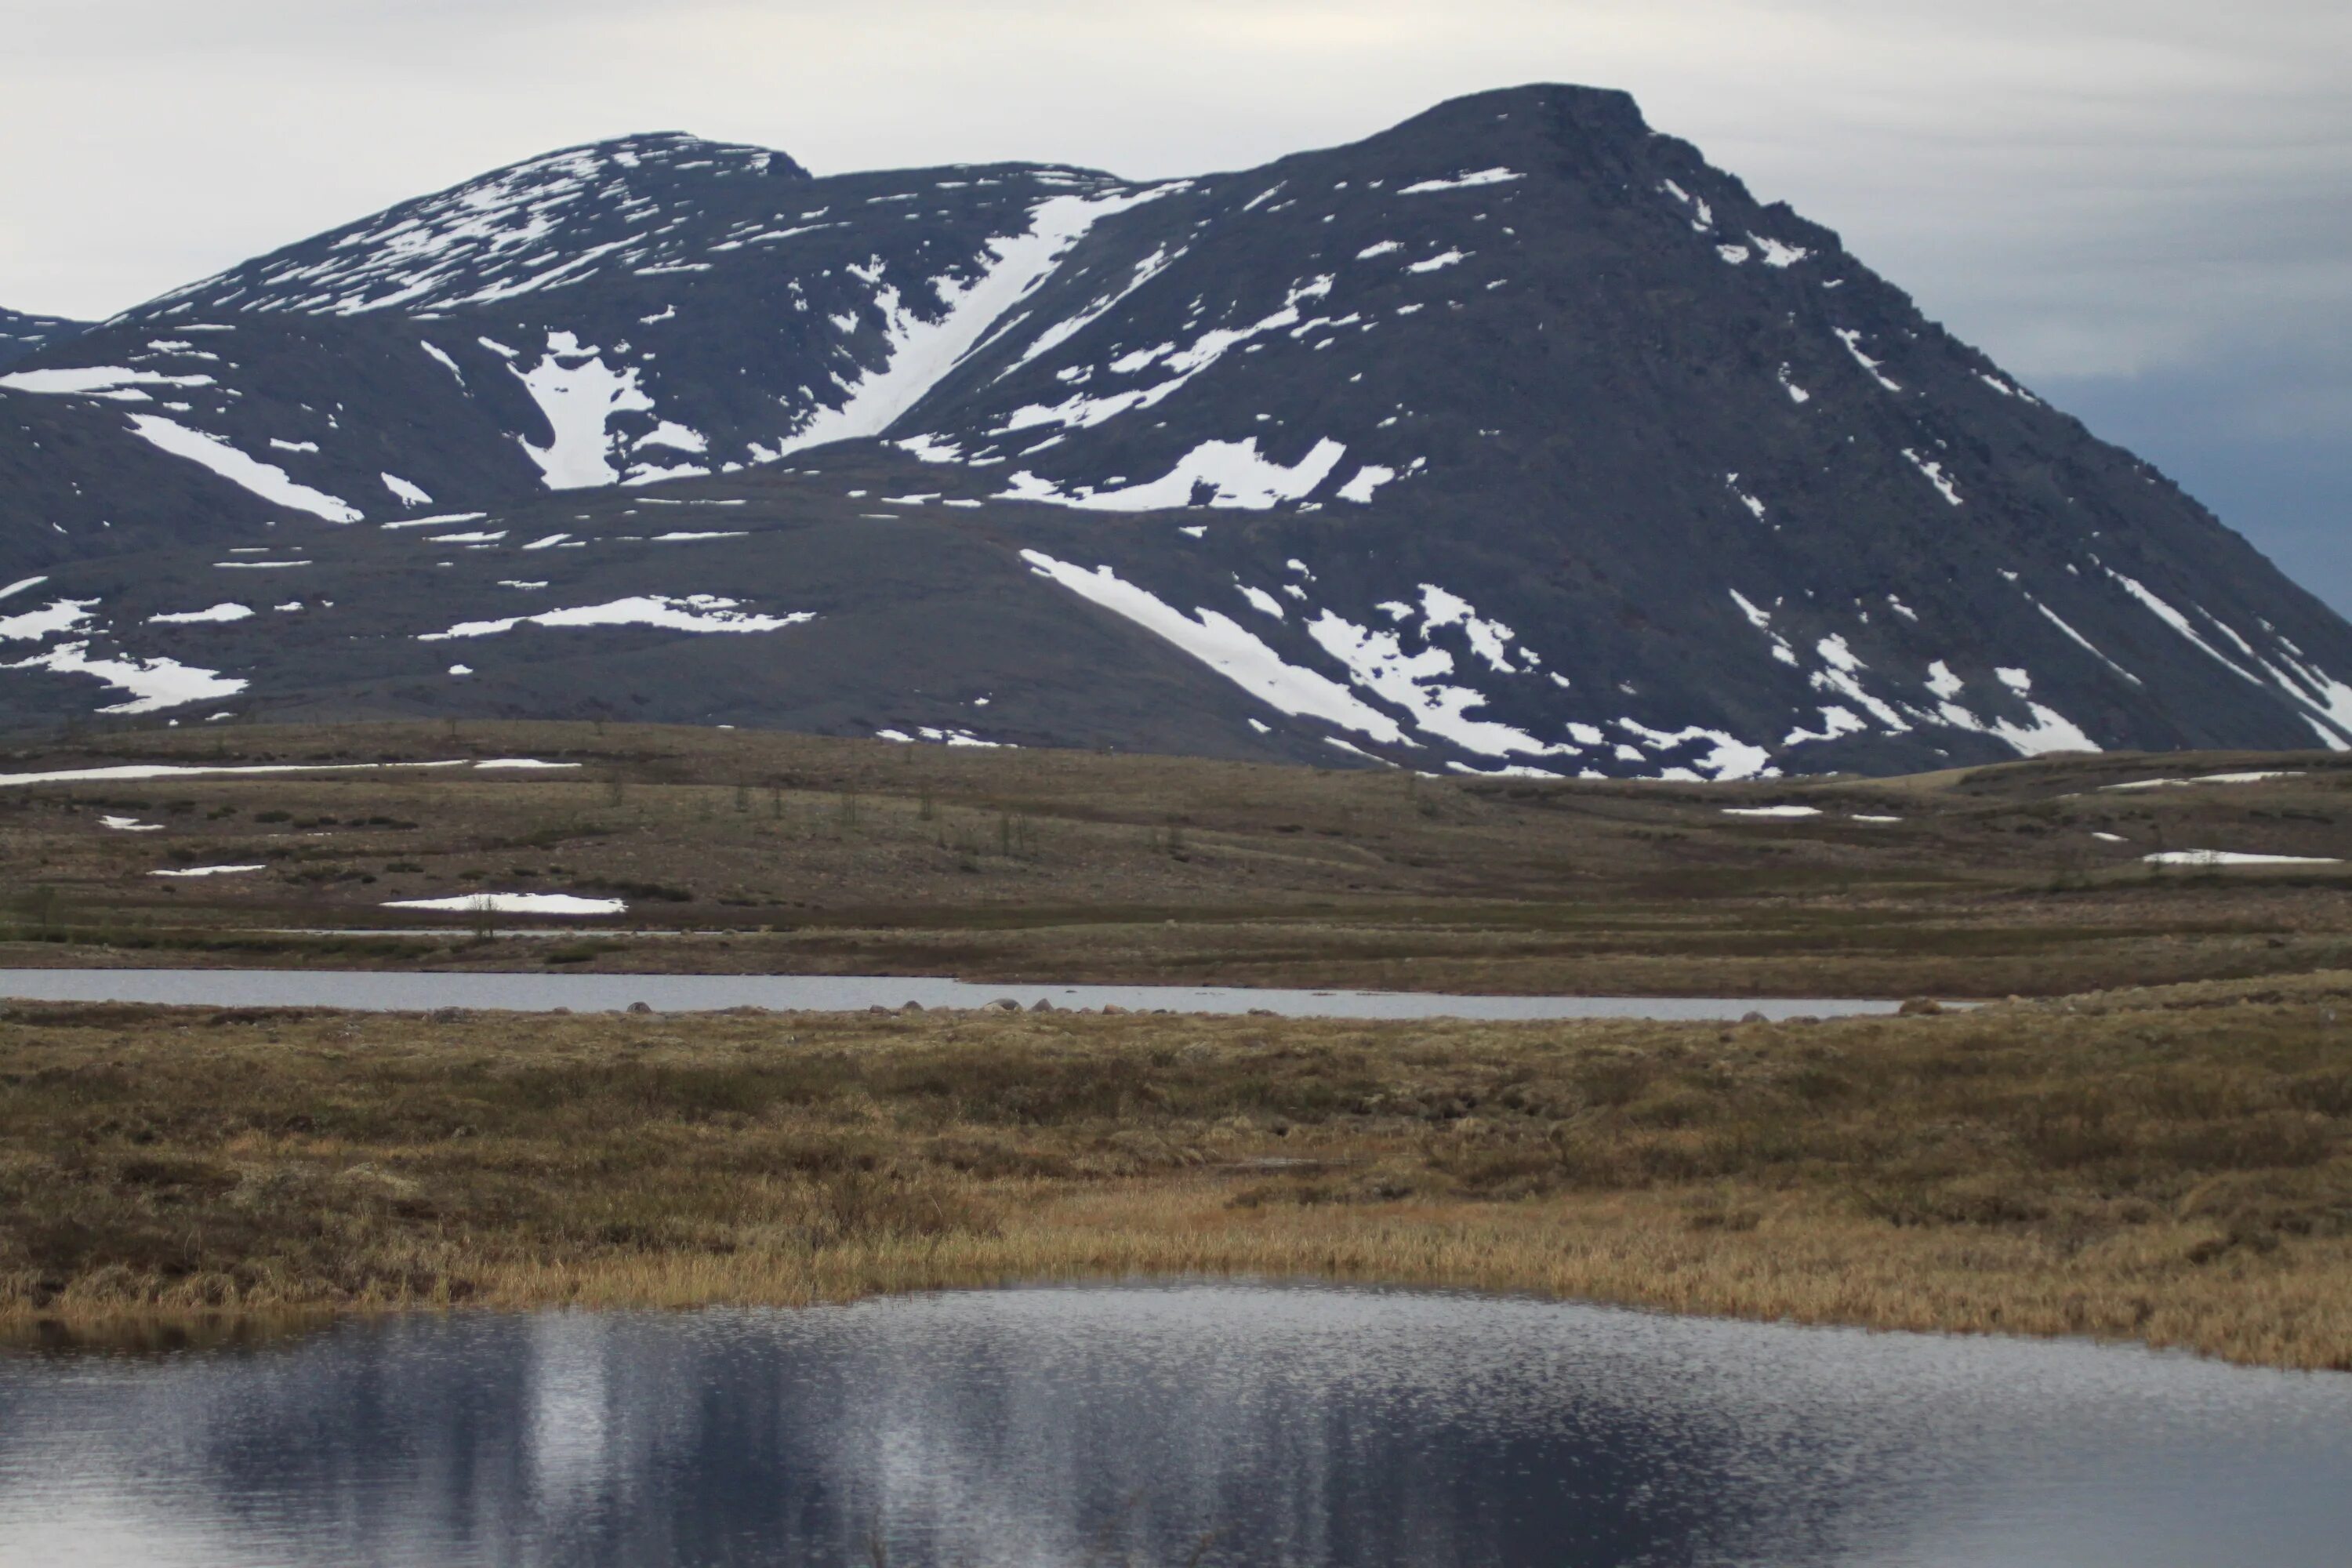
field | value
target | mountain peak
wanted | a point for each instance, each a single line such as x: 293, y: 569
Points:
x: 1516, y: 438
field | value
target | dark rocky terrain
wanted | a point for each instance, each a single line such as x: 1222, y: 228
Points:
x: 1515, y: 437
x: 22, y: 336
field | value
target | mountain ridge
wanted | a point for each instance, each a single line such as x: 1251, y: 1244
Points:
x: 1514, y: 437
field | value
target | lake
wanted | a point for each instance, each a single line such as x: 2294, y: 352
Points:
x: 381, y: 991
x: 1212, y: 1424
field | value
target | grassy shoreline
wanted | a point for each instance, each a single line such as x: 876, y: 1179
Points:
x: 2171, y: 1166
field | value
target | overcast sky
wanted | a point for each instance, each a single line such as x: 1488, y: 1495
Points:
x: 2143, y: 208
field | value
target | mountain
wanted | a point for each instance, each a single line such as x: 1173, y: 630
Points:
x: 21, y: 335
x: 1516, y: 438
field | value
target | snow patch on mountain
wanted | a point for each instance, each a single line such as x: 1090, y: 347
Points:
x: 694, y: 612
x: 578, y: 395
x: 922, y: 351
x: 1233, y: 472
x: 1225, y: 646
x: 272, y: 484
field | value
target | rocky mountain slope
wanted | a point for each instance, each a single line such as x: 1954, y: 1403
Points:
x: 1516, y: 438
x: 22, y: 336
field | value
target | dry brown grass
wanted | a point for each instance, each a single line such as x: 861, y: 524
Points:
x: 799, y: 853
x: 2170, y: 1166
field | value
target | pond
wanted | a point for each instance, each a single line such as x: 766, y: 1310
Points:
x: 1217, y: 1423
x: 381, y: 991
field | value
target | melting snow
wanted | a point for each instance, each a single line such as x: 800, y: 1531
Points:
x: 154, y: 684
x: 1225, y: 646
x: 2050, y: 732
x: 514, y: 904
x: 130, y: 825
x: 34, y: 625
x: 96, y: 381
x: 577, y: 400
x: 1853, y: 341
x: 271, y: 484
x: 1462, y: 181
x: 921, y: 352
x: 2230, y: 858
x: 1771, y: 811
x: 211, y: 871
x: 696, y: 612
x: 1235, y: 475
x: 196, y: 617
x: 1936, y: 476
x: 2208, y: 779
x: 410, y: 495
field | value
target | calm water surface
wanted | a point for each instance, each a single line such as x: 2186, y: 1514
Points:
x: 1166, y: 1425
x: 376, y: 990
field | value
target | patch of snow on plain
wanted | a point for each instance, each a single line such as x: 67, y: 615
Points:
x: 1787, y: 811
x: 211, y: 871
x: 514, y: 904
x: 2231, y: 857
x: 1441, y: 262
x: 1374, y: 252
x: 2208, y: 779
x: 249, y: 474
x: 695, y: 613
x: 127, y: 770
x: 130, y: 825
x: 1225, y: 646
x: 218, y: 613
x: 1368, y: 480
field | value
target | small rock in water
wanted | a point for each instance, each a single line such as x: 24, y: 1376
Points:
x: 1043, y: 1006
x: 1752, y: 1017
x: 641, y: 1007
x: 877, y: 1007
x: 1113, y: 1009
x: 912, y: 1008
x: 1003, y: 1005
x: 1921, y: 1007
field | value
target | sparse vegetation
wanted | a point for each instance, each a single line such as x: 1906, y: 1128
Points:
x: 2173, y: 1166
x: 1065, y: 865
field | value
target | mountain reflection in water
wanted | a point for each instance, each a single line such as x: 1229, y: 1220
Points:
x: 1210, y: 1423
